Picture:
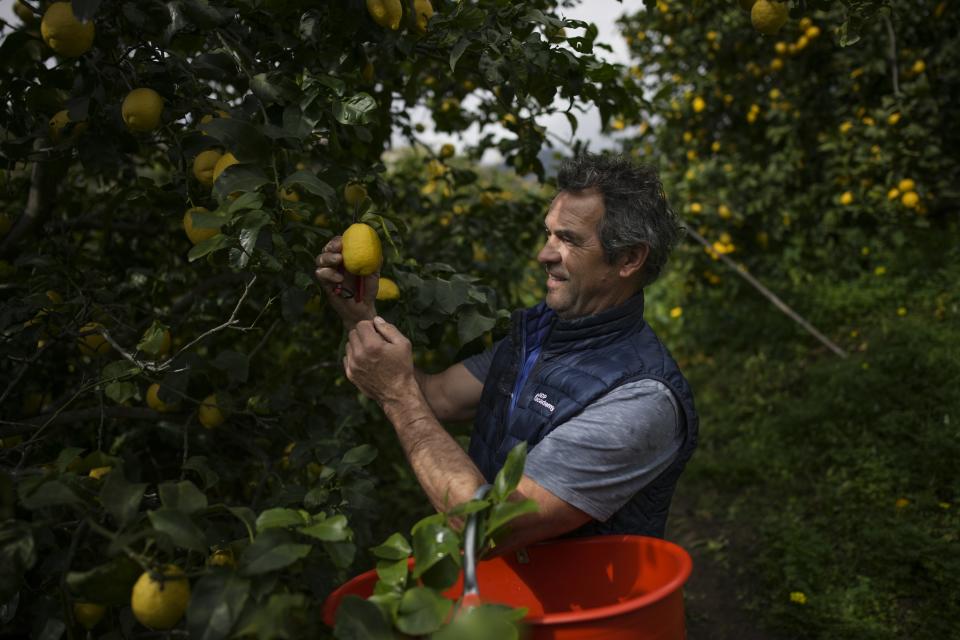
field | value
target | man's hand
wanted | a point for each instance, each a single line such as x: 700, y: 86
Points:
x: 379, y: 362
x: 330, y: 273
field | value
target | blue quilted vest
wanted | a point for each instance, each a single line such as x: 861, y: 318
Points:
x: 580, y: 361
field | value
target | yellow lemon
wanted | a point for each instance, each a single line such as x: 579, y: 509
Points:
x: 197, y: 235
x: 226, y: 160
x: 447, y: 151
x: 141, y: 109
x: 893, y: 118
x: 154, y: 401
x: 919, y: 67
x: 93, y: 343
x: 907, y: 185
x: 910, y: 199
x: 159, y: 601
x: 222, y: 558
x: 846, y: 198
x: 289, y: 195
x: 893, y: 194
x: 354, y: 193
x: 204, y: 164
x: 164, y: 348
x: 699, y: 104
x: 60, y: 121
x: 88, y: 614
x: 210, y: 415
x: 386, y: 13
x: 768, y: 16
x: 423, y: 10
x: 696, y: 208
x: 388, y: 290
x: 97, y: 473
x: 64, y: 33
x: 362, y: 252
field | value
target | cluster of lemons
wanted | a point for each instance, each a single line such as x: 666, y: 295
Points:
x: 389, y: 13
x: 70, y: 38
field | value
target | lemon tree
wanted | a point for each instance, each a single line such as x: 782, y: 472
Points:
x: 170, y: 172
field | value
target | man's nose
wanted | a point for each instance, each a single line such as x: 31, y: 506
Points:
x: 548, y: 254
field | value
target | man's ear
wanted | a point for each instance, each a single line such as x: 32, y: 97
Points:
x: 633, y: 259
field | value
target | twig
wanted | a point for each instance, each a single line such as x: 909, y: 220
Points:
x: 127, y: 413
x: 226, y: 325
x: 772, y: 297
x: 892, y: 53
x: 23, y: 370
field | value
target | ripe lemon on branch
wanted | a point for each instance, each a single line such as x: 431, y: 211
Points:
x: 210, y: 415
x: 141, y: 109
x: 197, y: 235
x: 362, y: 251
x: 64, y: 33
x: 768, y: 16
x: 423, y: 10
x: 60, y: 121
x: 88, y: 614
x: 159, y: 601
x: 388, y: 290
x: 204, y: 164
x: 386, y: 13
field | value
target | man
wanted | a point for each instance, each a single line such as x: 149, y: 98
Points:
x: 608, y: 417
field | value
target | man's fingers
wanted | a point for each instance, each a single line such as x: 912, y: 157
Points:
x: 328, y: 275
x: 389, y: 332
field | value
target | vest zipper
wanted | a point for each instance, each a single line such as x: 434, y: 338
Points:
x: 502, y: 427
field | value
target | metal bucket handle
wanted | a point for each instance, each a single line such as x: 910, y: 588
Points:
x: 471, y: 591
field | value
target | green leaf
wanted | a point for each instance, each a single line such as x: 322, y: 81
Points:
x: 509, y: 476
x: 466, y: 508
x: 118, y: 370
x: 244, y: 202
x: 395, y: 547
x: 312, y: 184
x: 52, y: 493
x: 120, y: 392
x: 332, y: 529
x: 504, y: 512
x: 271, y: 551
x: 180, y: 528
x: 340, y: 553
x: 393, y: 572
x: 358, y: 619
x: 153, y: 339
x: 443, y: 575
x: 422, y: 611
x: 120, y: 498
x: 250, y: 228
x: 109, y: 584
x: 279, y: 517
x: 359, y: 456
x: 457, y: 51
x: 274, y: 88
x: 472, y: 324
x: 183, y: 495
x: 239, y: 178
x: 432, y: 543
x: 209, y: 245
x: 216, y: 602
x: 357, y: 109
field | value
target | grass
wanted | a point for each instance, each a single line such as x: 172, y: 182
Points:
x: 837, y: 476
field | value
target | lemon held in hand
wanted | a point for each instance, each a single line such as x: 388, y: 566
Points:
x: 64, y: 33
x: 362, y: 252
x: 159, y: 602
x: 141, y: 109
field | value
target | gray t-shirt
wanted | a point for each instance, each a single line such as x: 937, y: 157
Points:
x: 598, y: 460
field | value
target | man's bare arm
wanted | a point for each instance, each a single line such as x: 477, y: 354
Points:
x: 452, y: 394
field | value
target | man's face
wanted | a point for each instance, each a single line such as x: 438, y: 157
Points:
x: 580, y: 282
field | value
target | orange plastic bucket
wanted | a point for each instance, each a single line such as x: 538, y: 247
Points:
x: 611, y: 587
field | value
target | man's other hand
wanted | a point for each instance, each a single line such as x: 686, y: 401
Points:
x: 379, y: 361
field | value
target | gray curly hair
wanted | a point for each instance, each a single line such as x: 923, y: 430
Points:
x: 636, y: 211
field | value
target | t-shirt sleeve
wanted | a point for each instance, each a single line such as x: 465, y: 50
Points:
x: 479, y: 364
x: 600, y: 459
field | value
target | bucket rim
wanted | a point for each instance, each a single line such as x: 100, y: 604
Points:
x: 685, y: 567
x: 607, y: 611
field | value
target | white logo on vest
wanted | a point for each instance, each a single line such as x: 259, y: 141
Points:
x: 541, y: 399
